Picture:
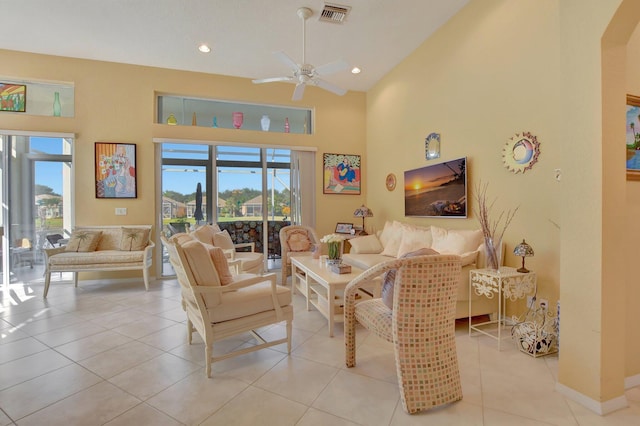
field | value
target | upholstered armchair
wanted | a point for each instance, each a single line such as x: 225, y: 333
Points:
x: 250, y: 261
x: 219, y: 304
x: 420, y: 323
x: 295, y: 239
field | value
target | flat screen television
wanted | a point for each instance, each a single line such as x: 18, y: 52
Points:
x: 437, y: 190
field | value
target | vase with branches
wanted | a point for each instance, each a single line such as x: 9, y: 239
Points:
x: 493, y: 228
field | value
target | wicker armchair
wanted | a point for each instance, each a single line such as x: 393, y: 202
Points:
x: 295, y: 239
x: 421, y: 327
x: 217, y: 310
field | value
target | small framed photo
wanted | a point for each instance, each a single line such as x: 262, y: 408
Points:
x: 344, y: 228
x: 115, y: 165
x: 13, y: 97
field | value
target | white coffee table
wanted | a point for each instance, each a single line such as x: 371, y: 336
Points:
x: 320, y: 286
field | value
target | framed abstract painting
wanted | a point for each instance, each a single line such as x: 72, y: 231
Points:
x: 115, y: 170
x: 13, y: 97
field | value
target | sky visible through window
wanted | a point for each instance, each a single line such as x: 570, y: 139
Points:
x: 48, y: 173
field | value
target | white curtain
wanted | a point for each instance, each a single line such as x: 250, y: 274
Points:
x: 303, y: 184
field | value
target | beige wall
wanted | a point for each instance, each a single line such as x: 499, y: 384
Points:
x: 501, y: 67
x: 633, y: 225
x: 489, y: 73
x: 115, y: 103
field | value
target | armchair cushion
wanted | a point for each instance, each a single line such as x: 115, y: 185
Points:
x: 220, y: 263
x: 249, y: 300
x: 205, y: 234
x: 389, y: 277
x: 84, y: 241
x: 203, y: 269
x: 250, y: 261
x: 134, y: 239
x: 223, y: 240
x: 368, y: 244
x: 298, y: 240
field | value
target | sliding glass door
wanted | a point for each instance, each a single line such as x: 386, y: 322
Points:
x: 36, y: 201
x: 245, y: 191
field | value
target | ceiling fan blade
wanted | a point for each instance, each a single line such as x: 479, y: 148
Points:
x: 286, y: 59
x: 271, y: 80
x: 298, y: 92
x: 330, y: 87
x: 332, y: 67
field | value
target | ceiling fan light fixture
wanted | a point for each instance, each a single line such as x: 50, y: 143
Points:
x: 306, y: 74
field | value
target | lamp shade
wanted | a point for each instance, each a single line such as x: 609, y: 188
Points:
x: 523, y: 250
x: 363, y: 211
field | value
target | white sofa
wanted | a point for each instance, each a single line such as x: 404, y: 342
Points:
x: 398, y: 239
x: 102, y: 248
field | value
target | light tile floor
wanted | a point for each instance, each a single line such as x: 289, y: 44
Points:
x: 113, y: 354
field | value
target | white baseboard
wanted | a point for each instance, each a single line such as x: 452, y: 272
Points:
x: 632, y: 381
x: 601, y: 408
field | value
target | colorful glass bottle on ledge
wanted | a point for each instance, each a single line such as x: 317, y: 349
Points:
x: 57, y: 108
x: 265, y: 122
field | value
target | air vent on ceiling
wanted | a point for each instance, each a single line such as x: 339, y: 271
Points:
x: 334, y: 13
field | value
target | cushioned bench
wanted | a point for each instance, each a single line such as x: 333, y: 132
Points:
x: 102, y: 248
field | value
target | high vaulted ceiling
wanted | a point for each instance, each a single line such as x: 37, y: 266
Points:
x: 243, y: 34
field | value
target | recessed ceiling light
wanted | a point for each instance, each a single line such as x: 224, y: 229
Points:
x: 355, y: 70
x: 204, y: 48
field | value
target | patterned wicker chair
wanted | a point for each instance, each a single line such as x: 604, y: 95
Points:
x: 295, y: 239
x: 421, y: 326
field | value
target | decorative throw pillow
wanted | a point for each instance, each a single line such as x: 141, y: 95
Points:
x: 368, y: 244
x: 414, y: 238
x: 298, y: 240
x: 392, y: 243
x: 456, y: 241
x: 386, y: 233
x: 389, y: 277
x: 205, y: 234
x: 223, y: 240
x: 84, y: 241
x: 221, y: 265
x: 134, y: 239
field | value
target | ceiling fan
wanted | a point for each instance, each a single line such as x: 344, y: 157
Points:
x: 306, y: 74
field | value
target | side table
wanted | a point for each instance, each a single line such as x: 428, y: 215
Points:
x: 507, y: 284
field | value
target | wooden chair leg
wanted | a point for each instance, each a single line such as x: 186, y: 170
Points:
x: 208, y: 353
x: 47, y: 281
